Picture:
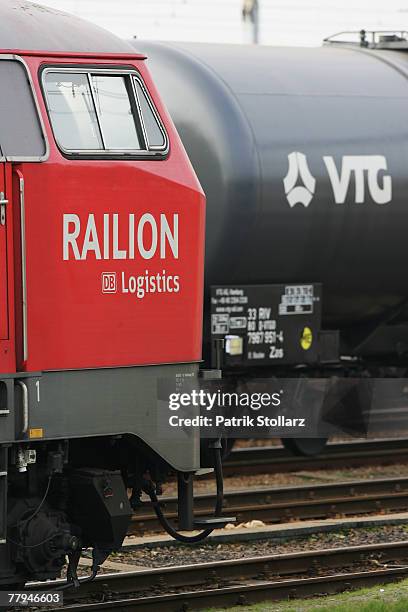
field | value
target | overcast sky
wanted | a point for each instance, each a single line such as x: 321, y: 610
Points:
x: 282, y: 22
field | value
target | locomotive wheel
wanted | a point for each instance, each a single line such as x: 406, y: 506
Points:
x: 304, y: 447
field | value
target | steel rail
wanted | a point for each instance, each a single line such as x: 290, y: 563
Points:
x: 259, y: 578
x: 264, y: 459
x: 274, y: 505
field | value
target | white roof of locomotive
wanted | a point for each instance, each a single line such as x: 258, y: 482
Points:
x: 28, y: 26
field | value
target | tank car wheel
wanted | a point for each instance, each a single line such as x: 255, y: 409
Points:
x: 304, y: 447
x: 227, y: 446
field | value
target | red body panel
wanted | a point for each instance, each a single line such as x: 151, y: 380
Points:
x: 75, y: 319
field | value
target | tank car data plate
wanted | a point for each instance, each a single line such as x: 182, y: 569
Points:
x: 266, y: 324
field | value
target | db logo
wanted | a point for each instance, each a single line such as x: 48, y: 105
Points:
x: 109, y: 282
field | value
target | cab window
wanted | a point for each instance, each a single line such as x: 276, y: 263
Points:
x: 155, y: 133
x: 72, y: 113
x: 102, y: 113
x: 117, y: 120
x: 21, y: 131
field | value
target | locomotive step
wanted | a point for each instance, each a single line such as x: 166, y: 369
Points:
x: 215, y: 522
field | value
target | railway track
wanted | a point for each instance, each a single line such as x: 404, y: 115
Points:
x: 283, y: 504
x: 243, y: 581
x: 264, y: 459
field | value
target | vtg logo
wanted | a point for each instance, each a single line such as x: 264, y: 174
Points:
x: 364, y: 168
x: 298, y: 168
x: 109, y: 284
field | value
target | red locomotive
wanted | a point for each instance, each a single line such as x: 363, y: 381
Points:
x: 101, y: 254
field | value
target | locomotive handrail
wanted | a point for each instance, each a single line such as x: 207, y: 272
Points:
x: 23, y: 263
x: 24, y: 389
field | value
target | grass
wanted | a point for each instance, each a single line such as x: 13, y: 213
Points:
x: 386, y: 598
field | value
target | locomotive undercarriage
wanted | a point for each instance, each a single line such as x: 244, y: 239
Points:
x: 64, y: 496
x: 62, y: 487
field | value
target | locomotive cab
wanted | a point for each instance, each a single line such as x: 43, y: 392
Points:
x: 101, y: 283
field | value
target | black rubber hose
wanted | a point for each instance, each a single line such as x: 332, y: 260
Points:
x: 72, y: 583
x: 217, y: 512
